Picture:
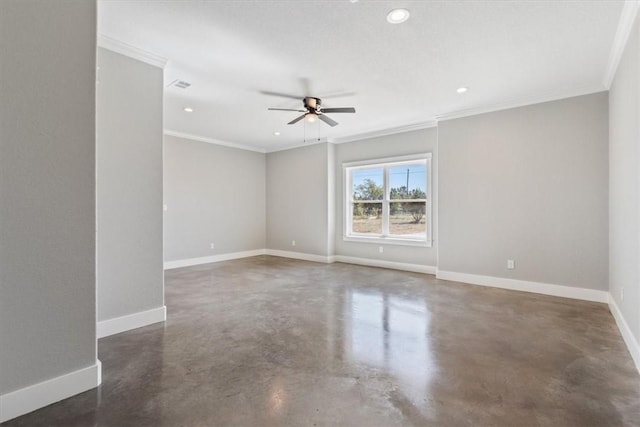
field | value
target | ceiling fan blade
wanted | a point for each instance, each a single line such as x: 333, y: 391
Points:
x: 297, y: 119
x: 337, y: 94
x: 286, y: 109
x: 339, y: 110
x: 282, y: 95
x: 327, y: 120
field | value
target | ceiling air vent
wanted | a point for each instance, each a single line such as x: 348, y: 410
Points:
x: 179, y: 83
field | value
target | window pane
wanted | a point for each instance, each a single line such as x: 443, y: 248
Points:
x: 368, y: 184
x: 407, y: 219
x: 367, y: 218
x: 408, y: 182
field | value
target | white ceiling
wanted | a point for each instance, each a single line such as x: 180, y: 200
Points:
x: 398, y: 76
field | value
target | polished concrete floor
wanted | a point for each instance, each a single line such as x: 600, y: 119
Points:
x: 269, y: 341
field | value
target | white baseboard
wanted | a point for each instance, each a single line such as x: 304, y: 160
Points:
x: 300, y: 255
x: 36, y: 396
x: 625, y: 331
x: 416, y: 268
x: 131, y: 321
x: 526, y: 286
x: 168, y: 265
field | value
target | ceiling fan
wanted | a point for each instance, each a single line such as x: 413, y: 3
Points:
x: 313, y: 111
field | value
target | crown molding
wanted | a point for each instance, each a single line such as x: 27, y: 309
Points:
x: 520, y: 102
x: 384, y: 132
x: 505, y: 105
x: 212, y: 141
x: 361, y: 136
x: 513, y: 103
x: 302, y: 144
x: 125, y: 49
x: 625, y: 25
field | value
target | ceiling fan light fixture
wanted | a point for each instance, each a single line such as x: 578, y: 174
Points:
x: 397, y: 16
x: 314, y: 112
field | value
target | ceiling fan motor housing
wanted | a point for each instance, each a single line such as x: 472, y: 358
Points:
x: 312, y: 103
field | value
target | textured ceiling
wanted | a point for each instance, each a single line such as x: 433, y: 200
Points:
x: 506, y: 52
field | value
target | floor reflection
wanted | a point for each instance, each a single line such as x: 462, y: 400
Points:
x: 391, y: 333
x: 269, y: 341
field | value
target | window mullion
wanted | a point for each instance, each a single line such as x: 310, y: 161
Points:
x: 385, y: 203
x: 349, y: 201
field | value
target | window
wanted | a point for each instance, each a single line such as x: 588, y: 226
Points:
x: 389, y: 200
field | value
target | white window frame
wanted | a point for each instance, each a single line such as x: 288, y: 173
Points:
x: 385, y: 237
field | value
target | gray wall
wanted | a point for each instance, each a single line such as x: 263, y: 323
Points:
x: 129, y: 186
x: 624, y: 170
x: 416, y: 142
x: 214, y: 194
x: 47, y: 190
x: 298, y: 199
x: 529, y: 184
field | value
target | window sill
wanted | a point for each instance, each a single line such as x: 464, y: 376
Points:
x: 388, y: 241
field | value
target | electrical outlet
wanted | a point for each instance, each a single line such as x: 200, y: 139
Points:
x: 511, y: 264
x: 213, y: 246
x: 293, y: 243
x: 380, y: 249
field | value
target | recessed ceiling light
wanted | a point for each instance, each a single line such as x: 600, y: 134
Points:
x: 188, y: 109
x: 276, y: 133
x: 462, y: 89
x: 397, y: 16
